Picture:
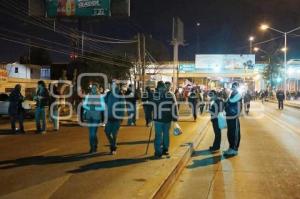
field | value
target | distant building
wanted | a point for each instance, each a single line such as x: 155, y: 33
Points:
x: 16, y: 70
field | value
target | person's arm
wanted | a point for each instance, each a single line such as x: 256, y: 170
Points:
x: 85, y: 103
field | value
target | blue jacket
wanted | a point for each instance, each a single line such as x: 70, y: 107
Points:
x: 233, y: 105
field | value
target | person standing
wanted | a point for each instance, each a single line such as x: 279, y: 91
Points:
x: 146, y: 99
x: 15, y: 109
x: 131, y: 99
x: 165, y: 111
x: 93, y: 105
x: 280, y: 98
x: 54, y: 106
x: 233, y: 107
x: 42, y: 100
x: 115, y: 111
x: 216, y: 106
x: 247, y: 100
x: 193, y: 102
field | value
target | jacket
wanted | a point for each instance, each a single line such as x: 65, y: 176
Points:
x: 15, y: 103
x: 233, y: 105
x: 215, y: 108
x: 280, y: 96
x: 115, y: 105
x: 165, y: 109
x: 43, y: 98
x: 93, y: 105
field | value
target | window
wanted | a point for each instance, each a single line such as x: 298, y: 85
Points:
x: 45, y: 73
x: 16, y: 70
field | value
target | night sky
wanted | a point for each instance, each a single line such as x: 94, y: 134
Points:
x: 225, y: 25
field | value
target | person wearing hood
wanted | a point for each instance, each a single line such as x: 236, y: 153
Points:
x: 165, y: 111
x: 115, y: 105
x: 15, y: 109
x: 233, y: 107
x: 93, y: 105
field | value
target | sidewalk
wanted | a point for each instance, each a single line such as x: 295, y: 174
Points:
x: 54, y: 165
x: 289, y: 103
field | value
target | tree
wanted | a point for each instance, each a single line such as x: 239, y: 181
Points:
x: 273, y: 70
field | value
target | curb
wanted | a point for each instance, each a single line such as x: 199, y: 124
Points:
x: 161, y: 184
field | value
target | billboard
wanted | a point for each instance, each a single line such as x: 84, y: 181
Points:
x: 80, y: 8
x: 225, y: 61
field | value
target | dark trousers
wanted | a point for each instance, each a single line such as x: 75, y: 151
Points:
x: 194, y: 110
x: 280, y: 104
x: 234, y: 133
x: 148, y: 113
x: 217, y: 131
x: 111, y: 131
x: 14, y: 119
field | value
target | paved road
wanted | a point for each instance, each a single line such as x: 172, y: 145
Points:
x: 55, y: 165
x: 268, y: 165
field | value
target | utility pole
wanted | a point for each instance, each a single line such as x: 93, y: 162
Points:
x: 139, y: 57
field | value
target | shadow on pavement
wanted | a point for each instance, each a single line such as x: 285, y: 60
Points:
x: 6, y: 132
x: 42, y: 160
x: 109, y: 164
x: 206, y: 162
x: 201, y: 153
x: 134, y: 142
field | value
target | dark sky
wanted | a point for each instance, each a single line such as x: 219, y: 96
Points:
x: 225, y: 25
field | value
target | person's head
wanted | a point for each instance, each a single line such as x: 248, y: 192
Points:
x: 213, y: 94
x: 94, y: 88
x: 235, y: 86
x: 41, y: 84
x: 161, y: 87
x: 101, y: 89
x: 168, y: 85
x: 18, y: 87
x: 148, y: 89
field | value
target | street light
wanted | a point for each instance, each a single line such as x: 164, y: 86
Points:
x: 266, y: 27
x: 251, y: 39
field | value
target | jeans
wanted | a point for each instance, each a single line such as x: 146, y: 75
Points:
x: 111, y: 132
x: 14, y: 118
x: 40, y: 116
x: 162, y: 137
x: 93, y: 129
x: 217, y: 132
x: 234, y: 133
x: 55, y: 117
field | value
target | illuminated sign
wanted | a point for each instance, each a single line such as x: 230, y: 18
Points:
x: 3, y: 75
x: 224, y: 61
x: 79, y: 8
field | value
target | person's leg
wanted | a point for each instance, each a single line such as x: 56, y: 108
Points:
x: 37, y: 119
x: 158, y: 138
x: 13, y: 123
x: 108, y: 132
x: 21, y: 122
x: 115, y: 132
x: 92, y: 131
x: 43, y: 118
x: 217, y: 132
x: 55, y: 118
x: 194, y: 111
x: 230, y: 132
x: 166, y: 136
x: 279, y: 104
x: 237, y: 134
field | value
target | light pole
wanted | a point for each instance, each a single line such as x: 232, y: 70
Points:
x: 265, y: 27
x: 198, y: 27
x: 251, y: 39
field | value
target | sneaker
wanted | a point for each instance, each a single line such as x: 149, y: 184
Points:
x: 230, y: 152
x: 157, y: 156
x: 113, y: 152
x: 43, y: 132
x: 165, y: 153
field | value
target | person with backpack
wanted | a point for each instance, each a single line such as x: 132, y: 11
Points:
x: 42, y: 100
x: 115, y: 112
x: 165, y: 111
x: 216, y: 106
x: 93, y: 105
x: 233, y: 107
x: 15, y: 109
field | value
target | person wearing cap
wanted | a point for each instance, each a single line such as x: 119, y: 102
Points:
x: 233, y: 107
x: 165, y: 111
x: 216, y: 106
x: 93, y: 105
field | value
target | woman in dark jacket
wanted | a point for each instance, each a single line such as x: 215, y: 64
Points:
x: 15, y: 109
x: 216, y: 106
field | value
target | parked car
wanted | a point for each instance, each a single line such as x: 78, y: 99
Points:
x: 28, y: 105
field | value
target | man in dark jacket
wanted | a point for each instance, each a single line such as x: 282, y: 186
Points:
x: 216, y: 107
x: 165, y: 111
x: 193, y: 102
x: 247, y: 100
x: 15, y: 109
x: 147, y: 99
x: 42, y: 100
x: 233, y: 109
x: 280, y: 98
x: 115, y: 111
